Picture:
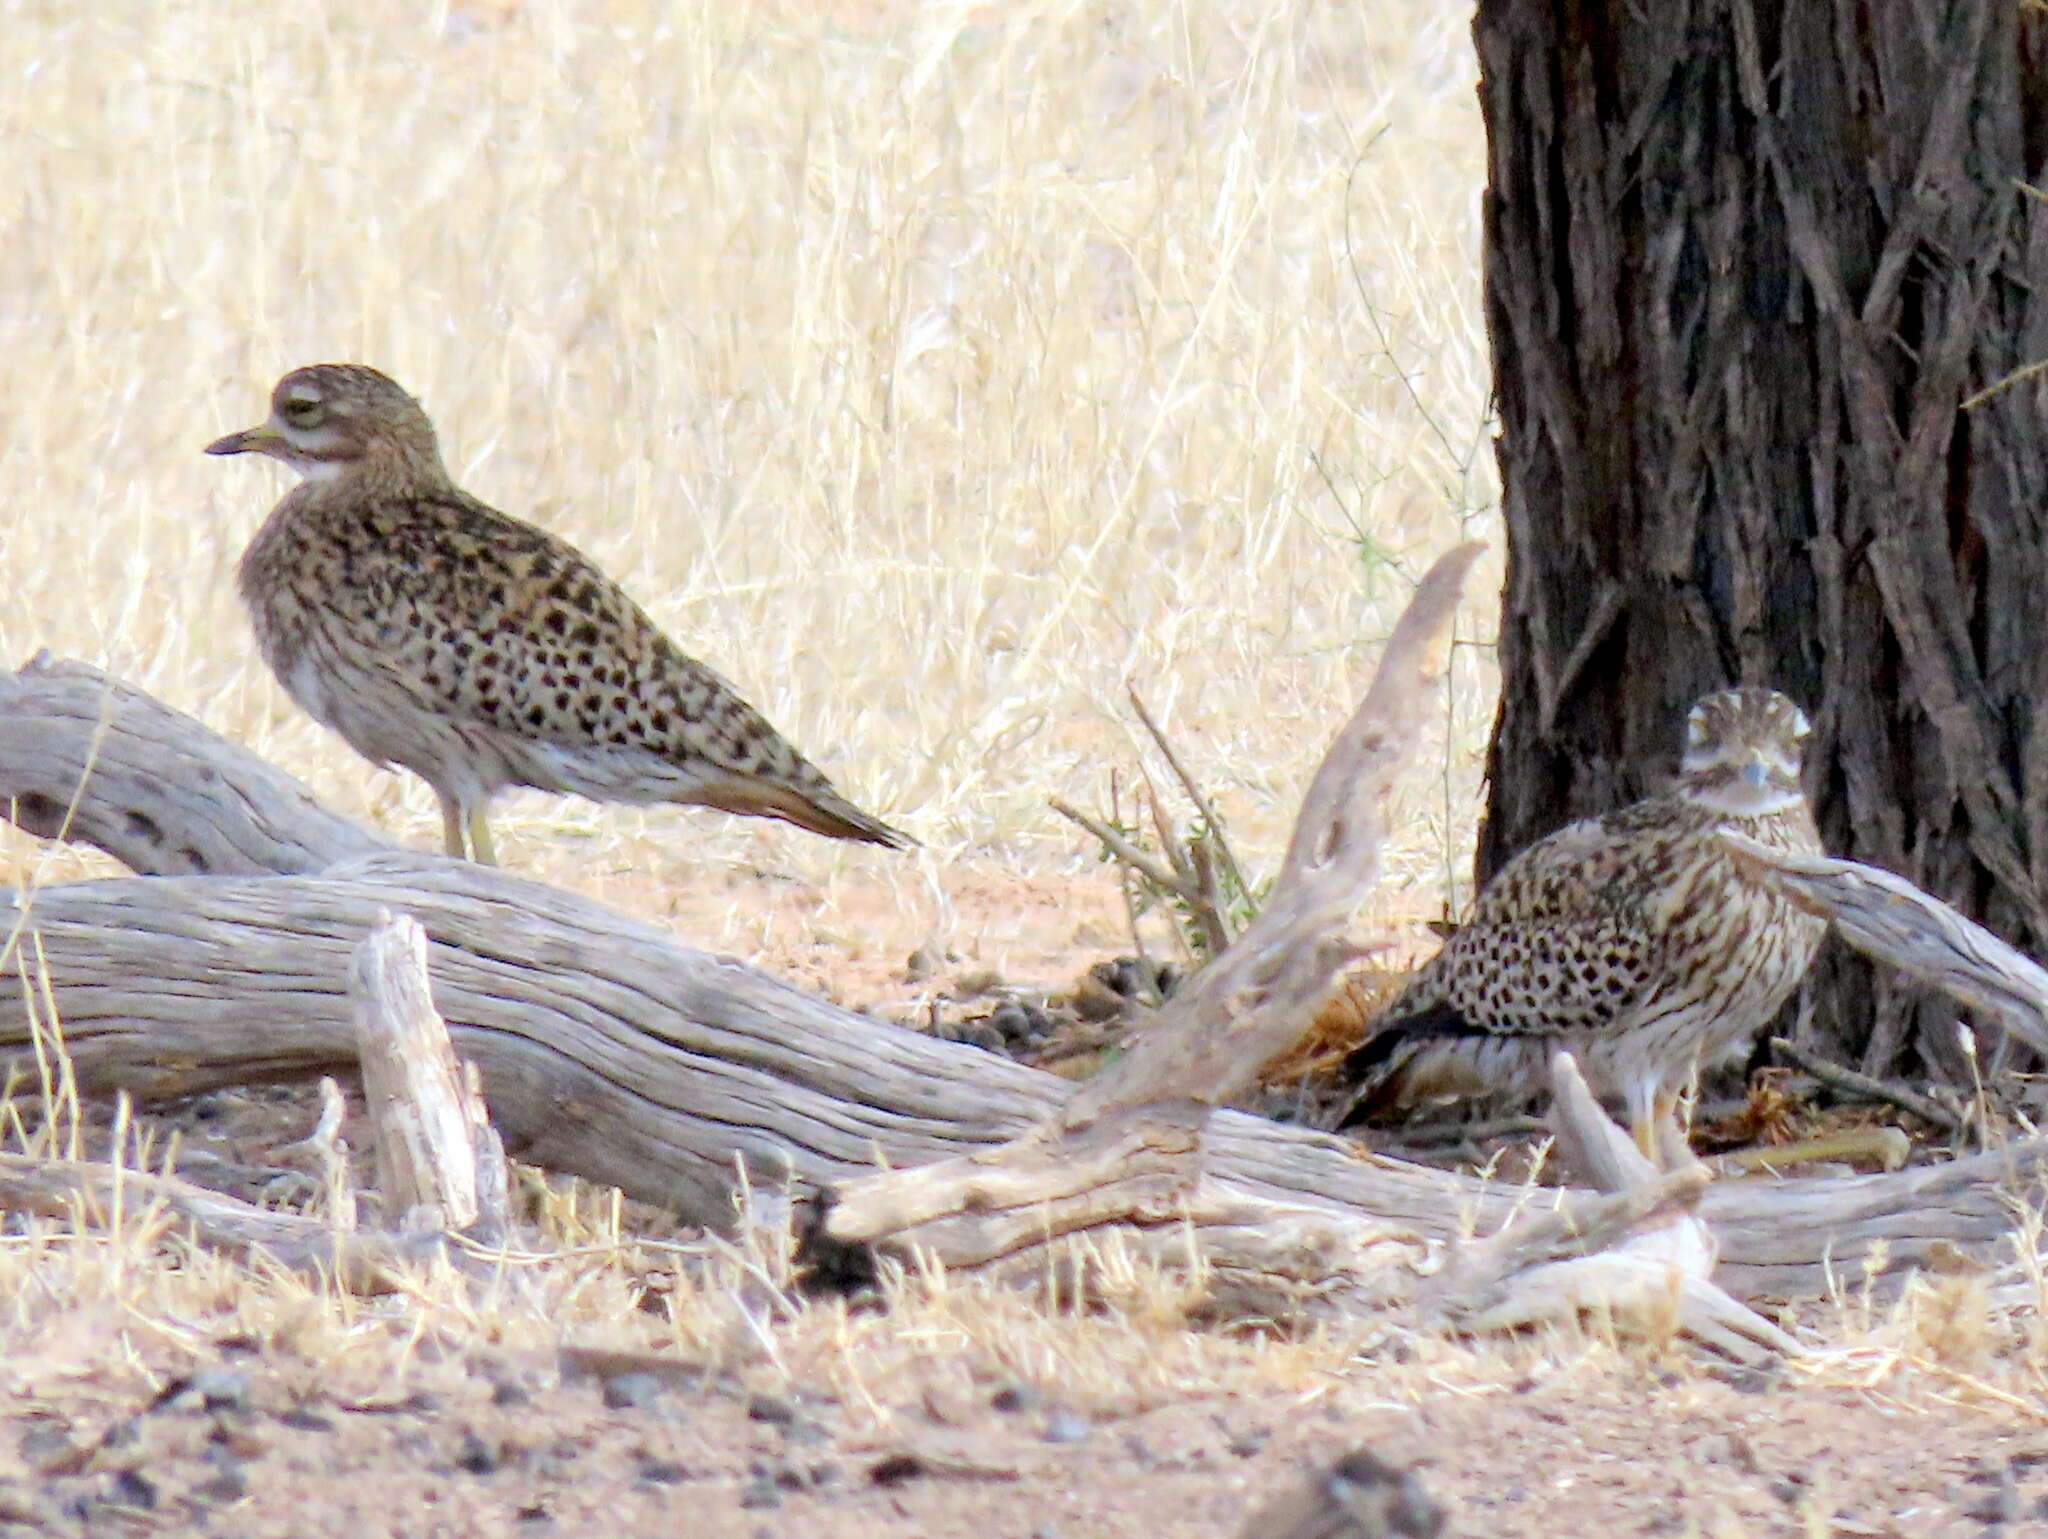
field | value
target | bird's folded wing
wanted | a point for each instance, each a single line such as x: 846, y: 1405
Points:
x: 1529, y: 975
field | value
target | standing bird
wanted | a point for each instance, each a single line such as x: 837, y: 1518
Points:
x: 1634, y: 940
x: 478, y: 651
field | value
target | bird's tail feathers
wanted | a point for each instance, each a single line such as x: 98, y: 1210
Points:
x: 817, y: 808
x: 1386, y: 1070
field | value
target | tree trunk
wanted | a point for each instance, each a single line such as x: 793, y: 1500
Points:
x: 1766, y: 282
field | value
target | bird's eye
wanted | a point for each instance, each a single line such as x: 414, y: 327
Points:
x: 302, y: 411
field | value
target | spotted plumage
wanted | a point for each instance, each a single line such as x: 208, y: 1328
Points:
x: 480, y: 652
x: 1633, y: 940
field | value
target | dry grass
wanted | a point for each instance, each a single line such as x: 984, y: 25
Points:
x: 933, y: 370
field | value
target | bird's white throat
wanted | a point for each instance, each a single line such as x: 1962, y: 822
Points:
x: 317, y: 470
x: 1742, y: 799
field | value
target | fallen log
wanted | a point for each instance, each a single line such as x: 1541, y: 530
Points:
x: 101, y: 1196
x: 608, y: 1050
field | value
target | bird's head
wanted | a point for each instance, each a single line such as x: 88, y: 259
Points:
x: 332, y: 421
x: 1742, y: 752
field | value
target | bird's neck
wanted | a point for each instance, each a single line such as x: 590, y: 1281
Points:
x: 1737, y: 800
x: 379, y: 477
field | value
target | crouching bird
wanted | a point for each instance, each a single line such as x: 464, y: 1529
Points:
x: 480, y: 652
x: 1634, y: 940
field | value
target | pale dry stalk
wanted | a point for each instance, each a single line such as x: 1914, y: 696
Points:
x: 439, y: 1165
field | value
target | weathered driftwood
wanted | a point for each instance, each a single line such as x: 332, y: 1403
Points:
x: 89, y: 759
x: 1886, y: 916
x: 608, y: 1050
x: 440, y: 1166
x: 1127, y: 1149
x: 327, y: 1151
x: 100, y: 1196
x: 1643, y: 1259
x: 1254, y: 1001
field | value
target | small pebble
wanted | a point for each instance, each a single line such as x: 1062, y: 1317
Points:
x: 760, y: 1491
x: 476, y: 1456
x: 508, y: 1393
x: 772, y: 1409
x: 1013, y: 1399
x: 1063, y: 1426
x: 660, y: 1472
x: 218, y: 1389
x: 982, y: 1034
x: 132, y: 1488
x: 1120, y: 976
x: 631, y: 1391
x: 1020, y: 1022
x: 1094, y: 1000
x: 227, y: 1484
x: 1248, y: 1443
x: 302, y: 1420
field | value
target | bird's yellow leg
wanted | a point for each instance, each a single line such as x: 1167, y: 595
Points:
x: 1658, y: 1133
x: 451, y: 828
x: 1670, y: 1146
x: 1645, y: 1129
x: 481, y: 849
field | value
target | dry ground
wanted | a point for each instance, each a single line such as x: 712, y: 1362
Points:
x: 933, y: 370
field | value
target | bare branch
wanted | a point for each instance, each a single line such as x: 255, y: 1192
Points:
x: 1211, y: 1039
x: 1867, y: 1087
x: 82, y: 1192
x: 1886, y: 916
x: 1193, y: 788
x: 1124, y: 850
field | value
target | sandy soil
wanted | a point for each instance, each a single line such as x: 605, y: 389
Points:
x: 258, y: 1444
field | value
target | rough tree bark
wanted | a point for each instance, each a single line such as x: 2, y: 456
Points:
x: 1765, y: 280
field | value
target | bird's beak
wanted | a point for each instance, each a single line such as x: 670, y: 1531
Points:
x: 255, y: 440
